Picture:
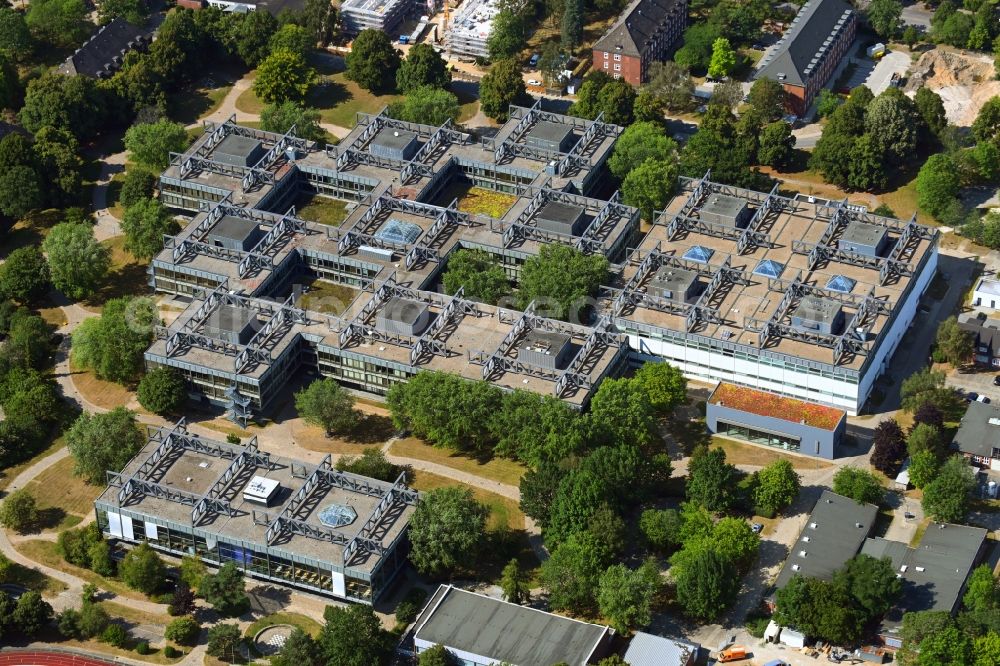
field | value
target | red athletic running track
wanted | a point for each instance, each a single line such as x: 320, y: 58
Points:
x: 43, y: 658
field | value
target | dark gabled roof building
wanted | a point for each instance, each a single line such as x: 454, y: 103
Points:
x: 482, y: 631
x: 986, y: 338
x: 978, y: 436
x: 834, y: 533
x: 809, y: 52
x: 644, y: 33
x: 101, y: 55
x: 933, y: 573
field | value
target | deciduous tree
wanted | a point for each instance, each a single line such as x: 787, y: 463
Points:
x: 162, y: 390
x: 884, y: 17
x: 859, y: 484
x: 723, y: 58
x: 706, y: 585
x: 373, y: 61
x: 446, y: 530
x: 572, y: 573
x: 954, y: 344
x: 24, y: 276
x: 650, y: 185
x: 144, y: 225
x: 280, y: 118
x: 625, y: 596
x: 664, y: 385
x: 142, y: 569
x: 423, y: 66
x: 923, y: 467
x: 501, y: 87
x: 946, y: 498
x: 888, y: 447
x: 112, y: 345
x: 19, y: 511
x: 150, y: 144
x: 506, y: 38
x: 353, y: 636
x: 102, y: 442
x: 711, y: 480
x: 560, y: 279
x: 325, y: 403
x: 428, y: 105
x: 478, y: 274
x: 77, y: 262
x: 775, y: 488
x: 224, y: 641
x: 938, y: 184
x: 671, y: 83
x: 295, y: 38
x: 284, y: 76
x: 639, y: 142
x: 61, y: 23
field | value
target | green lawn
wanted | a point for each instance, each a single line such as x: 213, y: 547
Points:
x: 114, y: 192
x: 337, y: 100
x: 126, y: 276
x: 193, y: 105
x: 325, y: 296
x: 320, y: 209
x: 306, y: 624
x: 63, y: 499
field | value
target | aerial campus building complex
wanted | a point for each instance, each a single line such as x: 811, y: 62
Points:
x: 803, y: 297
x: 309, y: 526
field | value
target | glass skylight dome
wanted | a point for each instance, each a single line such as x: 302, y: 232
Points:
x: 337, y: 515
x: 699, y: 254
x: 769, y: 268
x: 397, y: 231
x: 841, y: 283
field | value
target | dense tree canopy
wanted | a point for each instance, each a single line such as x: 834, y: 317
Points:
x: 650, y: 185
x: 225, y: 590
x: 327, y: 404
x: 162, y: 390
x: 423, y: 66
x: 711, y: 480
x: 446, y: 530
x: 859, y: 484
x: 373, y: 61
x: 946, y: 498
x: 72, y: 103
x: 506, y: 38
x: 502, y: 86
x: 103, y: 442
x: 24, y: 275
x: 560, y: 279
x: 112, y: 345
x: 284, y: 76
x: 77, y: 262
x: 144, y: 225
x: 280, y: 118
x: 142, y: 569
x: 428, y: 105
x: 639, y: 142
x: 775, y: 487
x: 353, y: 636
x: 61, y: 23
x: 478, y: 274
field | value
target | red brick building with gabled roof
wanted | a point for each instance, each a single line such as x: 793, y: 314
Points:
x: 645, y: 32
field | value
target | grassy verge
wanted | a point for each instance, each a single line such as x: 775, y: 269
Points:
x: 33, y: 579
x: 114, y: 194
x: 497, y: 469
x: 738, y: 453
x: 371, y: 431
x: 31, y: 230
x: 306, y: 624
x: 196, y: 104
x: 47, y: 553
x: 155, y: 655
x: 126, y: 276
x: 10, y: 473
x: 99, y: 392
x: 63, y: 498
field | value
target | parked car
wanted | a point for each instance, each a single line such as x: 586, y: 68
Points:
x: 983, y: 399
x: 971, y: 396
x: 756, y: 527
x: 996, y: 381
x: 534, y: 82
x: 534, y: 59
x: 404, y: 39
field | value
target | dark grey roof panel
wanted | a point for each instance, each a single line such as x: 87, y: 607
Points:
x: 830, y: 537
x: 636, y: 26
x: 979, y: 431
x: 507, y: 632
x: 815, y: 22
x: 98, y: 51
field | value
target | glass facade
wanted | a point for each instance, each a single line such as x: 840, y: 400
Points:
x: 755, y: 436
x: 259, y: 561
